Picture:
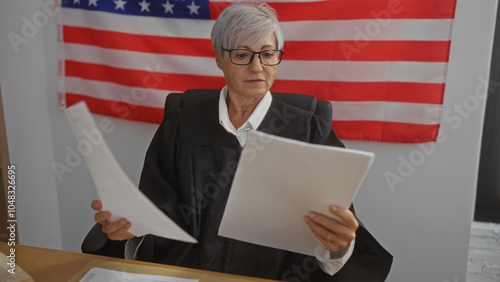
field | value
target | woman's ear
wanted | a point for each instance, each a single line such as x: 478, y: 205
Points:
x: 218, y: 59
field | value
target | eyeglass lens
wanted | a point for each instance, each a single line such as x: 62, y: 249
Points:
x: 244, y: 57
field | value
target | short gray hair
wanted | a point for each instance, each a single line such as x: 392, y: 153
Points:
x: 241, y: 21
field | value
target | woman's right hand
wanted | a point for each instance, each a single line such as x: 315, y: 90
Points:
x: 116, y: 230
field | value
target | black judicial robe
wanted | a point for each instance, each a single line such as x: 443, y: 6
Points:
x: 188, y: 171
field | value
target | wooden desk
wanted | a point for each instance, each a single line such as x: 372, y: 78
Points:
x: 54, y: 265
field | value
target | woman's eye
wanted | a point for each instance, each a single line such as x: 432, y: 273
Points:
x: 268, y: 54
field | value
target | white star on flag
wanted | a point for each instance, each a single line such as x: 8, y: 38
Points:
x: 76, y: 2
x: 144, y: 6
x: 120, y: 4
x: 169, y: 8
x: 93, y: 2
x: 193, y: 9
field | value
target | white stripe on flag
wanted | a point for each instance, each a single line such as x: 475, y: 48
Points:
x: 426, y: 72
x: 333, y: 30
x: 114, y: 92
x: 362, y: 71
x: 368, y: 29
x: 387, y: 111
x: 414, y: 113
x: 142, y: 61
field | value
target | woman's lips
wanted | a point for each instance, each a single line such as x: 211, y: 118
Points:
x: 255, y: 81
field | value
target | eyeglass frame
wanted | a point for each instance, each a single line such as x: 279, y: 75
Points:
x: 253, y: 55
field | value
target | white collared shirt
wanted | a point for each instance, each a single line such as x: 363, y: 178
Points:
x: 253, y: 121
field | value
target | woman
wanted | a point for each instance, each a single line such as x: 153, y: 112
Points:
x: 190, y: 165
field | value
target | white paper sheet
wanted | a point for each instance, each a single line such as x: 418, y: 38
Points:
x: 97, y: 274
x: 278, y: 181
x: 116, y: 191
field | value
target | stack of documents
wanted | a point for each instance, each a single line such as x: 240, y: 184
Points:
x: 278, y: 181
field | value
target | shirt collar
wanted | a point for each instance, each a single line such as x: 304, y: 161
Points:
x: 253, y: 121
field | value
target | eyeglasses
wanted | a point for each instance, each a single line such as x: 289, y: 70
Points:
x: 244, y: 57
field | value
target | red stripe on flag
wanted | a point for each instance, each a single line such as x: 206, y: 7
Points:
x: 143, y: 79
x: 426, y: 93
x: 386, y: 131
x: 420, y: 51
x: 436, y: 51
x: 355, y: 9
x: 140, y: 43
x: 117, y: 109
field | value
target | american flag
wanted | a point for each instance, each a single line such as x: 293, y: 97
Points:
x: 381, y: 63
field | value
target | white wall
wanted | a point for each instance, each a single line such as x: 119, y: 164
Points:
x: 424, y: 220
x: 28, y: 106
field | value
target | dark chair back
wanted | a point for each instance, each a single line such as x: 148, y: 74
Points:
x: 191, y: 97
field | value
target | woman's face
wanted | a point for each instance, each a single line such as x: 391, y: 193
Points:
x: 253, y: 80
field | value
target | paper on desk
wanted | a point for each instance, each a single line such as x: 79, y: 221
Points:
x: 116, y: 191
x: 10, y: 272
x: 278, y: 181
x: 97, y: 274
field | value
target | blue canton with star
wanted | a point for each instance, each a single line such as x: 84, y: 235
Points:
x: 187, y: 9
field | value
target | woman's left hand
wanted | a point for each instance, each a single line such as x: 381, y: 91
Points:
x: 335, y: 235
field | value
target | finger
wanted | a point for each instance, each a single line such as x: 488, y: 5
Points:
x: 330, y: 241
x: 121, y: 236
x: 96, y: 205
x: 346, y: 216
x: 330, y: 225
x: 102, y: 217
x: 328, y: 228
x: 335, y: 243
x: 121, y: 233
x: 115, y: 227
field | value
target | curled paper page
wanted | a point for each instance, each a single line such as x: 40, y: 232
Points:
x: 278, y: 181
x: 116, y: 191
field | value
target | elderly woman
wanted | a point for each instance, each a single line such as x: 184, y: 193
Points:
x: 196, y: 148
